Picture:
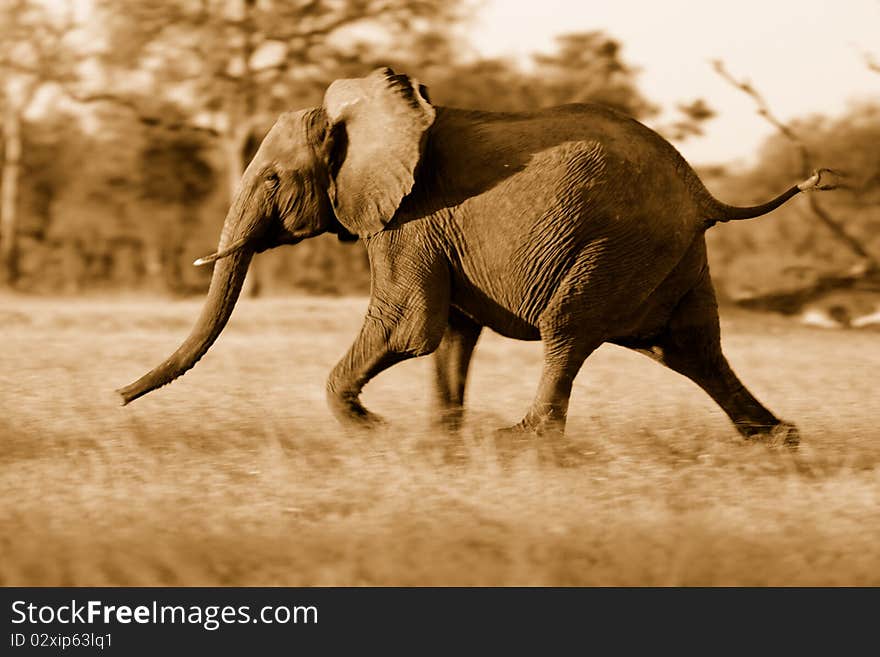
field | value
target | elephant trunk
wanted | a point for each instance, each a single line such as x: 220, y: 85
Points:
x: 226, y: 283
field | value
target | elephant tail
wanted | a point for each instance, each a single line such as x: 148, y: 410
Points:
x: 715, y: 211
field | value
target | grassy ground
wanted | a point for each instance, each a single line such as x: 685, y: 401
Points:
x: 237, y: 475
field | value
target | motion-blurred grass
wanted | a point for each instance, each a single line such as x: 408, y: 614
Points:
x: 237, y: 475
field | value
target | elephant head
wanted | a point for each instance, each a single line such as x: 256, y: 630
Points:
x: 344, y: 167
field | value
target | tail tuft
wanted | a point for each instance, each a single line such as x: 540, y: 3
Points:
x: 814, y: 183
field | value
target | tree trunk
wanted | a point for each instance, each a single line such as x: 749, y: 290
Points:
x: 240, y: 150
x: 153, y: 265
x: 9, y: 195
x: 235, y: 163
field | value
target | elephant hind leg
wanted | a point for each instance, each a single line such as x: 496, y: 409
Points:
x: 571, y: 327
x: 573, y: 324
x: 546, y: 418
x: 375, y: 349
x: 451, y: 362
x: 367, y: 357
x: 691, y: 345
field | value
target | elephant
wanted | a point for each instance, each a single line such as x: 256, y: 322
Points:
x: 574, y: 225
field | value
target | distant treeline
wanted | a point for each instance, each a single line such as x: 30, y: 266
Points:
x: 120, y: 186
x: 111, y: 211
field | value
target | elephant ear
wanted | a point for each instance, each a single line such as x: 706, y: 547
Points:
x: 384, y: 117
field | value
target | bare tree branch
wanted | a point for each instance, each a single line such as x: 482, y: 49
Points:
x: 835, y: 227
x: 764, y: 111
x: 136, y: 108
x: 806, y: 157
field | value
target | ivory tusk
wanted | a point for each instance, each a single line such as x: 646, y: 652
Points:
x: 232, y: 248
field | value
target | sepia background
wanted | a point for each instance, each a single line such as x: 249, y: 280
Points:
x: 125, y: 128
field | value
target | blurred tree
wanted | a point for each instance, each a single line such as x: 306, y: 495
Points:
x: 485, y: 84
x: 236, y: 63
x: 803, y: 140
x: 33, y: 51
x: 203, y: 79
x: 584, y: 67
x: 91, y: 233
x: 798, y: 257
x: 587, y: 67
x: 175, y: 176
x: 690, y: 122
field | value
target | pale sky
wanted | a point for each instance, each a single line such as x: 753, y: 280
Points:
x: 805, y: 56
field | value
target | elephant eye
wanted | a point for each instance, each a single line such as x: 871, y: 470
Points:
x: 271, y: 179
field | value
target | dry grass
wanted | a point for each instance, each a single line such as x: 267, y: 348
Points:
x: 237, y: 475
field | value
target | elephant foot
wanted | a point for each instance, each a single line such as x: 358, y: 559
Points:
x: 365, y: 420
x: 512, y: 441
x: 449, y: 421
x: 350, y: 412
x: 455, y: 451
x: 546, y: 437
x: 783, y: 434
x: 564, y: 454
x: 446, y: 427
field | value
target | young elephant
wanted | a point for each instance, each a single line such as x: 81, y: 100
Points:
x: 574, y: 225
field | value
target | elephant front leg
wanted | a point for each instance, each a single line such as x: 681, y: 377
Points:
x: 407, y: 317
x: 451, y: 362
x: 379, y: 345
x: 368, y: 356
